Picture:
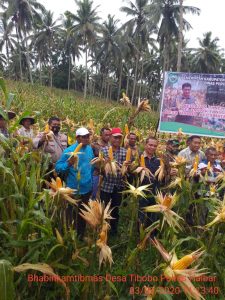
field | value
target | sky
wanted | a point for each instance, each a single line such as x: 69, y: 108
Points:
x: 212, y: 17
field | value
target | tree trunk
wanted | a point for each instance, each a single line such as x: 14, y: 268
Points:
x: 105, y: 87
x: 7, y: 54
x: 108, y: 88
x: 50, y: 73
x: 166, y: 55
x: 179, y: 49
x: 110, y: 93
x: 40, y: 69
x: 93, y: 89
x: 135, y: 79
x: 86, y: 74
x: 128, y: 79
x: 120, y: 81
x: 103, y: 83
x: 20, y: 56
x: 69, y: 72
x: 75, y: 82
x: 142, y: 65
x: 28, y: 58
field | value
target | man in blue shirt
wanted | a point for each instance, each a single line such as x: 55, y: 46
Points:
x: 79, y: 178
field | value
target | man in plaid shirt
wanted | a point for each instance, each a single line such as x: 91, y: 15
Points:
x: 112, y: 186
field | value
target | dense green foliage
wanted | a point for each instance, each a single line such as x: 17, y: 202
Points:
x: 33, y: 227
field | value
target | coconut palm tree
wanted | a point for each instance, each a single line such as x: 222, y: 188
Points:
x: 86, y: 26
x: 7, y: 40
x: 140, y: 29
x: 44, y: 41
x: 2, y: 61
x: 71, y: 43
x: 108, y: 52
x: 180, y: 42
x: 23, y: 14
x: 166, y: 14
x: 207, y: 58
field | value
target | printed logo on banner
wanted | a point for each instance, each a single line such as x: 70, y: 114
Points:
x: 173, y: 78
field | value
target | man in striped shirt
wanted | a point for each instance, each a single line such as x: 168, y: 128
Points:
x: 112, y: 186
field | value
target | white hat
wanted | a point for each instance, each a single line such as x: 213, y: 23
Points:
x: 82, y: 131
x: 202, y: 165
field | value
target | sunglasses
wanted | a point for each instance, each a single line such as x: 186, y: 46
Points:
x: 85, y: 136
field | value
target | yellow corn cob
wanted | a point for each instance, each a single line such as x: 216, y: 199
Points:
x: 212, y: 189
x: 59, y: 237
x: 47, y: 129
x: 142, y: 161
x: 183, y: 263
x: 179, y: 132
x: 209, y: 166
x: 197, y: 159
x: 78, y: 148
x: 70, y: 140
x: 195, y: 166
x: 126, y: 129
x: 102, y: 236
x: 220, y: 148
x: 91, y: 123
x: 78, y: 175
x: 100, y: 155
x: 110, y: 153
x: 58, y: 182
x: 128, y: 155
x: 167, y: 201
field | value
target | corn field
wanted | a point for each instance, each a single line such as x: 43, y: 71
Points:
x: 42, y: 258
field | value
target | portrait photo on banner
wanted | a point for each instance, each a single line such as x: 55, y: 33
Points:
x: 194, y: 102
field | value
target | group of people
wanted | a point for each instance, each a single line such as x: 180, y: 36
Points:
x: 90, y: 182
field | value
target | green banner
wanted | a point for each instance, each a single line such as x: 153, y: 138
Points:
x: 193, y: 102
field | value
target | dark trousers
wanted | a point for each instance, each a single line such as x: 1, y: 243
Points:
x: 74, y: 218
x: 95, y: 180
x: 116, y: 198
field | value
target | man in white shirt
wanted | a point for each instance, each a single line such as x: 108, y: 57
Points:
x: 192, y: 151
x: 26, y: 129
x: 56, y: 144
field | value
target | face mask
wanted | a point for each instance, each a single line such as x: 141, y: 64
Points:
x: 175, y: 151
x: 55, y: 129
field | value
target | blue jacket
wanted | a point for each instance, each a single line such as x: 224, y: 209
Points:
x: 62, y: 166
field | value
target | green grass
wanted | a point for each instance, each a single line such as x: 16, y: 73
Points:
x: 29, y: 216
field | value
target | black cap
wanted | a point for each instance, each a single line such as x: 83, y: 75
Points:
x: 173, y: 142
x: 11, y: 114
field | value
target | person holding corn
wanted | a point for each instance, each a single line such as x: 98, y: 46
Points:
x: 75, y: 164
x: 103, y: 141
x: 113, y: 184
x: 51, y: 140
x: 150, y: 162
x: 132, y: 144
